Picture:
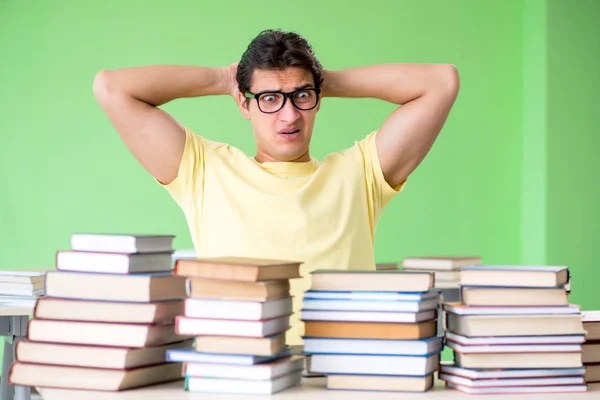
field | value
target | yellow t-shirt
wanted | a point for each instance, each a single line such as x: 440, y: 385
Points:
x: 321, y: 213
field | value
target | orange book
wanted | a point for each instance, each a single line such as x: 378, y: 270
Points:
x: 369, y: 330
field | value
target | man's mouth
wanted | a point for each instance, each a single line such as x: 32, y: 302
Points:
x: 290, y: 132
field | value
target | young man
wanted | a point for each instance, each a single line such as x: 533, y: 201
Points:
x: 281, y: 203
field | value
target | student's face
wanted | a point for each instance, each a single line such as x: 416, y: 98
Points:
x: 281, y: 134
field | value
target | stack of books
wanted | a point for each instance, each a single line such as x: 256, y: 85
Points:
x: 21, y: 288
x: 107, y: 319
x: 372, y: 330
x: 514, y: 332
x: 445, y: 268
x: 238, y: 310
x: 591, y: 347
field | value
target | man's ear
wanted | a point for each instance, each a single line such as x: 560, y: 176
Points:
x: 243, y: 104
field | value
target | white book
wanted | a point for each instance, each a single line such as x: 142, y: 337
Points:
x: 240, y: 310
x: 460, y: 309
x: 190, y: 355
x: 368, y: 316
x: 482, y: 383
x: 222, y: 327
x: 453, y: 369
x: 520, y: 389
x: 256, y: 372
x: 122, y: 243
x: 358, y: 305
x: 590, y: 316
x: 374, y: 364
x: 516, y: 348
x: 242, y: 386
x: 375, y: 296
x: 372, y: 346
x: 499, y: 340
x: 82, y: 261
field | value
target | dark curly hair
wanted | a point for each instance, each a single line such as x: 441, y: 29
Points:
x: 275, y: 49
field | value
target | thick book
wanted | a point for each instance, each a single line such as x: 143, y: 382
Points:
x: 115, y: 287
x: 242, y: 386
x: 237, y: 309
x: 53, y: 376
x: 259, y: 346
x: 370, y: 330
x: 519, y: 360
x: 317, y: 345
x: 92, y: 356
x: 114, y: 263
x: 501, y: 296
x: 514, y: 276
x: 102, y: 334
x: 235, y: 290
x: 366, y: 280
x: 224, y: 327
x: 259, y: 371
x: 122, y: 243
x: 238, y: 269
x: 374, y: 364
x: 380, y: 383
x: 107, y: 311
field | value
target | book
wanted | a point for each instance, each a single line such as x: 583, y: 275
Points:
x: 508, y: 373
x: 514, y: 276
x: 237, y: 309
x: 500, y: 296
x: 364, y: 280
x: 380, y: 383
x: 591, y: 324
x: 189, y: 355
x: 201, y: 326
x: 372, y: 296
x: 259, y: 346
x: 259, y: 371
x: 67, y: 260
x: 121, y: 243
x: 115, y: 287
x: 462, y: 309
x: 317, y: 345
x: 242, y: 386
x: 235, y: 290
x: 519, y: 389
x: 91, y: 356
x: 505, y: 340
x: 443, y: 263
x: 370, y: 330
x: 374, y: 364
x: 370, y: 305
x: 238, y: 269
x: 515, y: 348
x: 102, y: 379
x: 368, y: 316
x: 107, y: 311
x: 514, y: 382
x: 519, y: 360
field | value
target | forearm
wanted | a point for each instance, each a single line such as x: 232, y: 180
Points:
x: 395, y: 83
x: 159, y: 84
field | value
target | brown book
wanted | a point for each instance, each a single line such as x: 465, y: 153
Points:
x: 518, y: 360
x: 266, y: 346
x: 52, y: 376
x: 591, y: 352
x: 107, y: 311
x: 592, y: 373
x: 114, y: 287
x: 93, y: 356
x: 514, y: 325
x: 486, y: 296
x: 591, y: 324
x: 369, y: 330
x: 237, y: 269
x: 366, y: 280
x: 102, y: 334
x: 233, y: 290
x: 380, y: 383
x: 386, y: 266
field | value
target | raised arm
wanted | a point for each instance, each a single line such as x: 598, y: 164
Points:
x: 426, y: 93
x: 130, y: 98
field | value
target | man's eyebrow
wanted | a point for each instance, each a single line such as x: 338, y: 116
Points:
x: 306, y: 85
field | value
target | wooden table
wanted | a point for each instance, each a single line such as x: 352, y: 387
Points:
x: 13, y: 326
x: 310, y: 389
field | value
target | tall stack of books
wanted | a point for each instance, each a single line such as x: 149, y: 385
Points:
x: 107, y: 319
x: 591, y: 347
x: 514, y: 332
x: 372, y: 330
x: 238, y: 310
x: 445, y: 268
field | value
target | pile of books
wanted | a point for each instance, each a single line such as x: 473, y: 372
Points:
x: 591, y: 347
x: 107, y: 319
x: 238, y: 310
x: 445, y: 269
x: 372, y: 330
x: 514, y: 332
x: 21, y: 288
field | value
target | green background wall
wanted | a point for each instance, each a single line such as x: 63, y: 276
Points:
x: 512, y: 177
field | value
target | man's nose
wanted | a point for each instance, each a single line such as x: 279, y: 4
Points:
x: 289, y: 112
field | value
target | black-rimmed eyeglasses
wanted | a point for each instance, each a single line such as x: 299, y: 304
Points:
x: 270, y: 102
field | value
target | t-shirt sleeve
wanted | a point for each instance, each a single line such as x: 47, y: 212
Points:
x: 190, y: 175
x: 379, y: 192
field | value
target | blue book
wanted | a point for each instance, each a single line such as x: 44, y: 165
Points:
x: 371, y: 295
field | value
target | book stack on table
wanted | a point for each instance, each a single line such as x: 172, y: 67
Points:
x: 238, y: 310
x: 107, y: 319
x: 372, y: 330
x: 514, y: 332
x: 591, y: 347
